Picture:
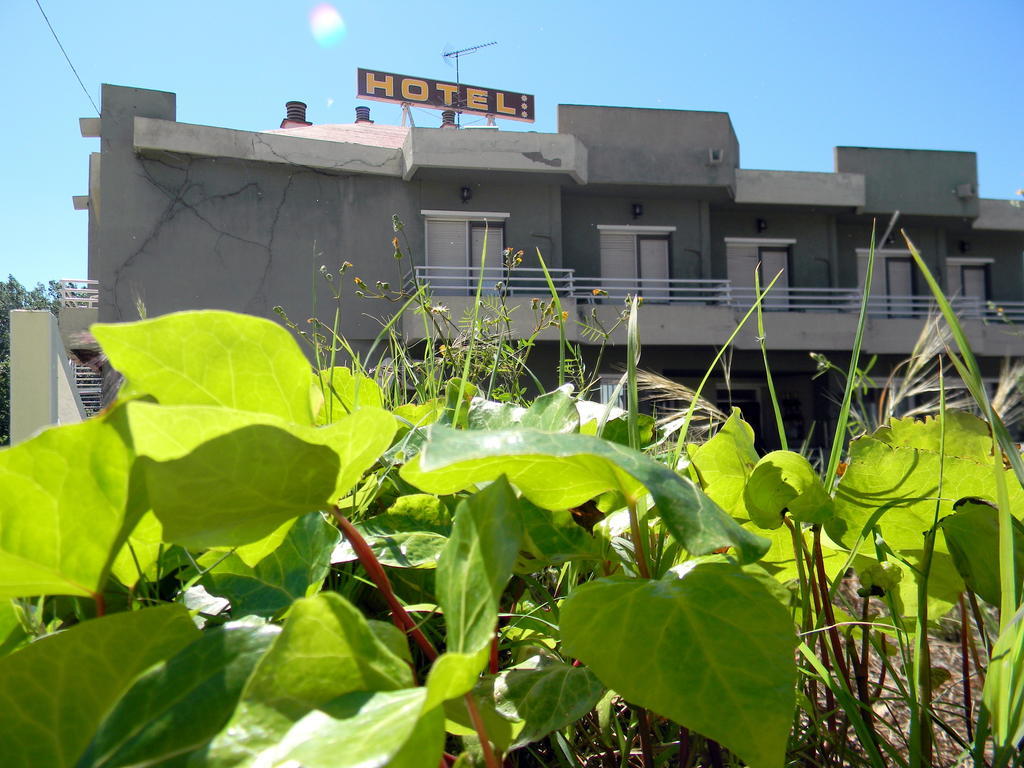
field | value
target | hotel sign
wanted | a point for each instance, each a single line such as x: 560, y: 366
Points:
x: 436, y: 94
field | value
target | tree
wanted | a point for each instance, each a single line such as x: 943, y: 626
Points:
x: 13, y: 295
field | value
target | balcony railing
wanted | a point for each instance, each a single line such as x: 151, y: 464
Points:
x: 521, y: 281
x: 674, y: 291
x: 79, y: 293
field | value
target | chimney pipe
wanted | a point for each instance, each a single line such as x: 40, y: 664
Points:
x: 448, y: 119
x: 363, y: 115
x: 295, y: 115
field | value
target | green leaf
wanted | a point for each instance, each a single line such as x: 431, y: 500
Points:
x: 297, y: 568
x: 553, y: 412
x: 55, y: 692
x: 712, y: 651
x: 782, y: 483
x: 238, y: 488
x: 972, y: 535
x: 344, y: 393
x: 967, y: 436
x: 244, y: 475
x: 139, y: 554
x: 411, y: 534
x: 454, y: 674
x: 895, y: 487
x: 725, y: 462
x: 476, y: 564
x: 64, y: 510
x: 326, y: 650
x: 561, y: 471
x: 1003, y: 693
x: 551, y: 537
x: 487, y: 414
x: 366, y: 730
x: 12, y: 631
x: 546, y: 697
x: 212, y: 358
x: 183, y: 701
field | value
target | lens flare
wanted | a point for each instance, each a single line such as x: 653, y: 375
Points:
x: 326, y: 24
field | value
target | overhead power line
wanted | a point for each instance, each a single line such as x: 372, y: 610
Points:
x: 67, y: 58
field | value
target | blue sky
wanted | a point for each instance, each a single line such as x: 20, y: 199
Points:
x: 798, y: 78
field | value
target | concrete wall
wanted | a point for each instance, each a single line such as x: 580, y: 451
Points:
x: 43, y: 391
x: 653, y: 146
x: 913, y: 181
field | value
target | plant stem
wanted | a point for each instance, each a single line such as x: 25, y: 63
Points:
x: 639, y: 550
x: 644, y: 727
x: 101, y: 604
x: 490, y: 759
x: 376, y: 573
x: 965, y: 667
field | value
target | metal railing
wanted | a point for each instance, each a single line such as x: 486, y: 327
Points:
x: 1006, y: 311
x: 519, y: 281
x: 79, y: 293
x: 799, y: 299
x: 668, y: 291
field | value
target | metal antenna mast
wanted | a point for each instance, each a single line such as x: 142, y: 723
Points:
x: 457, y: 55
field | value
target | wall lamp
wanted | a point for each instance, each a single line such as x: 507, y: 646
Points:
x: 965, y: 247
x: 465, y: 194
x: 762, y: 225
x: 638, y: 210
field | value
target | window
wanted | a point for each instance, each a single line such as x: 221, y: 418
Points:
x: 455, y: 249
x: 457, y: 238
x: 769, y: 256
x: 892, y: 282
x: 635, y: 261
x: 968, y: 280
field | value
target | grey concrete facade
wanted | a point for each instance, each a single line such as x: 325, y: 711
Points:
x: 189, y: 216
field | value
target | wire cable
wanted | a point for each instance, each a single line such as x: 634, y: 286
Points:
x: 67, y: 58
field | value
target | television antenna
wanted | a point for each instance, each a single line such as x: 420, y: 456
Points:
x: 448, y: 56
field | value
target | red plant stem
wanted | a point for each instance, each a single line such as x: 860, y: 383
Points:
x: 830, y: 616
x: 965, y: 667
x: 493, y: 668
x: 684, y: 747
x: 101, y: 604
x: 490, y: 759
x: 377, y: 575
x: 644, y: 727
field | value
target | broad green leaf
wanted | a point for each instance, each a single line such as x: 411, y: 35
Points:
x: 165, y: 433
x: 553, y: 412
x: 896, y: 486
x: 411, y: 534
x: 139, y: 554
x: 64, y: 510
x: 183, y: 701
x: 55, y: 692
x: 781, y: 564
x: 561, y: 471
x: 238, y: 488
x: 502, y: 731
x: 365, y: 730
x: 454, y: 674
x: 551, y: 537
x: 326, y: 650
x: 712, y: 651
x: 1003, y: 693
x: 212, y: 358
x: 297, y: 568
x: 487, y: 414
x: 784, y: 482
x: 972, y: 535
x: 967, y: 436
x: 725, y: 462
x: 420, y: 414
x: 344, y: 392
x: 476, y: 564
x: 12, y: 632
x: 545, y: 695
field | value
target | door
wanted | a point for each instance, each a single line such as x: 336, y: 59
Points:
x: 774, y: 261
x: 654, y: 270
x: 618, y: 264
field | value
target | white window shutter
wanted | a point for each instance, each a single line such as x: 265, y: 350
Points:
x: 447, y: 244
x: 654, y: 268
x: 495, y: 243
x: 618, y: 262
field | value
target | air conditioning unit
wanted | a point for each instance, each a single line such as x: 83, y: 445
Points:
x: 965, y: 191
